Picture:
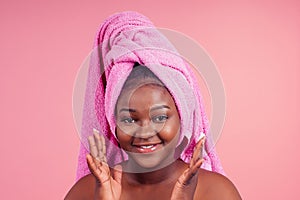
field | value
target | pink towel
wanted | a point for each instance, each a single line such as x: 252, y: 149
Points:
x: 123, y: 40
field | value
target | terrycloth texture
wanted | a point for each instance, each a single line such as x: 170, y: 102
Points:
x: 123, y: 40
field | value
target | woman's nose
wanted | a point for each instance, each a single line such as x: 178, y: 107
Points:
x: 145, y: 131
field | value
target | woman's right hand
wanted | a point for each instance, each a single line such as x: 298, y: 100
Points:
x: 108, y: 186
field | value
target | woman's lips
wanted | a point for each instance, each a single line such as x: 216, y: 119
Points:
x: 146, y: 148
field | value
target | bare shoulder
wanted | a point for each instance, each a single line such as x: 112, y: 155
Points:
x: 212, y: 185
x: 83, y: 189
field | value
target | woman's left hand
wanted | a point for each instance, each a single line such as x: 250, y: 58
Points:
x: 186, y: 184
x: 108, y: 185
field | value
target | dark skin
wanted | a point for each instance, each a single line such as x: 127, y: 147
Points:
x: 210, y: 186
x: 150, y: 127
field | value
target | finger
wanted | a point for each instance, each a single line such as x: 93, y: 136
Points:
x: 198, y: 152
x: 104, y: 149
x: 93, y: 162
x: 195, y: 169
x: 90, y: 162
x: 201, y: 148
x: 103, y: 145
x: 102, y: 152
x: 93, y: 166
x: 93, y: 146
x: 97, y: 139
x: 191, y: 172
x: 98, y: 143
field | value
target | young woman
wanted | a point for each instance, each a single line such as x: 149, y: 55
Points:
x: 149, y: 111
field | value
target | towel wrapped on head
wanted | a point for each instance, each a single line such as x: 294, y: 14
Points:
x: 122, y: 41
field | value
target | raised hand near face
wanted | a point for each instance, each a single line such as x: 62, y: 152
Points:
x: 186, y: 184
x: 108, y: 186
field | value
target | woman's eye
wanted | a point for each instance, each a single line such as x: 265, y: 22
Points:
x: 128, y: 120
x: 160, y: 118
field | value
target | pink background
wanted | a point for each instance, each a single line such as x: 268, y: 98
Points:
x: 256, y: 46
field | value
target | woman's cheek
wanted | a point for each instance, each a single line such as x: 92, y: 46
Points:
x: 169, y: 133
x: 122, y: 136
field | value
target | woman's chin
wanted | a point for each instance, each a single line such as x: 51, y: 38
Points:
x: 148, y: 162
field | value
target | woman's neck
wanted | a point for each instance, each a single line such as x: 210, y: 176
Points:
x: 167, y: 174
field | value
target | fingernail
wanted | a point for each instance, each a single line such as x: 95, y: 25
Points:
x: 201, y: 135
x: 95, y: 131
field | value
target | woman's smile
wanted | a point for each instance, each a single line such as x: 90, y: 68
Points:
x: 147, y: 147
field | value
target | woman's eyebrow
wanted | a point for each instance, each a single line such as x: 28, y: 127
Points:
x: 127, y: 110
x: 159, y: 107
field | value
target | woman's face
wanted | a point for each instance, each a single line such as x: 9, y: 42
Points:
x: 148, y: 125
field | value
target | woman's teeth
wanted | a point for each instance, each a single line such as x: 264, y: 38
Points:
x: 147, y: 146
